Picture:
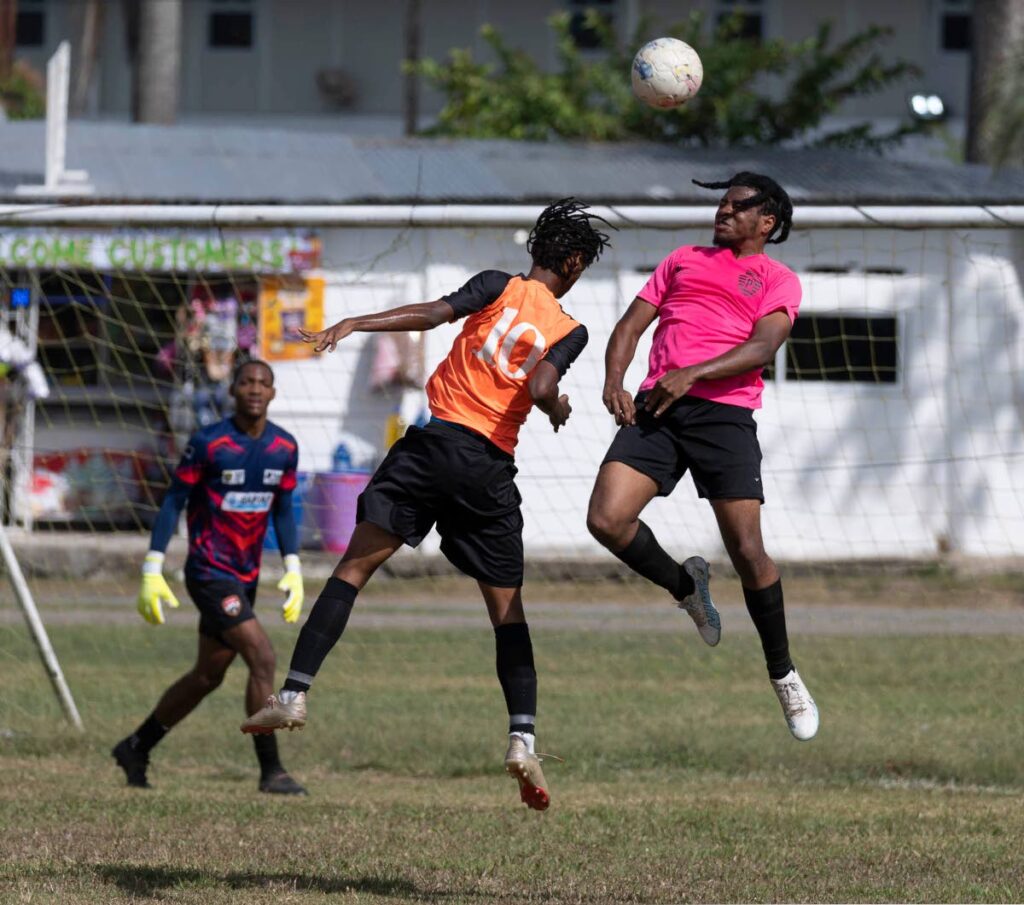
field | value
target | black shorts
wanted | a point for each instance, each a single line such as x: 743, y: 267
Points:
x: 717, y: 442
x: 454, y: 478
x: 222, y: 603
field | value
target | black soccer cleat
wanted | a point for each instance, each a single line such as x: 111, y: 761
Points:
x: 281, y: 783
x: 133, y: 762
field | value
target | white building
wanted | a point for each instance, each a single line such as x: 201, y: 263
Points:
x: 892, y: 425
x: 258, y: 60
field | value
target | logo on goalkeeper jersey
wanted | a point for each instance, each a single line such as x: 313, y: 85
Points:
x: 231, y: 476
x: 272, y: 476
x: 242, y: 501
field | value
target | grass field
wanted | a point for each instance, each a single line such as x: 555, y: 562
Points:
x: 681, y: 782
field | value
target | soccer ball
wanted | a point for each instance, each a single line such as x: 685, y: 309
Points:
x: 666, y: 73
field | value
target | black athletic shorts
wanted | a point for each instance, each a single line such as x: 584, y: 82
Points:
x: 222, y: 603
x: 450, y: 476
x: 715, y: 441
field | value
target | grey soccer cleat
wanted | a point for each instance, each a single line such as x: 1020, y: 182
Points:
x: 699, y: 604
x: 277, y: 715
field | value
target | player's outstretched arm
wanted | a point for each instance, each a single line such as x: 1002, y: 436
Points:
x: 418, y: 317
x: 543, y: 387
x: 619, y: 355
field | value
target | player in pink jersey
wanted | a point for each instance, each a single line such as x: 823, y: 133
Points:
x: 722, y: 313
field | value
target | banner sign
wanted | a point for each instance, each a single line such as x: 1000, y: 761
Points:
x: 143, y: 251
x: 286, y: 304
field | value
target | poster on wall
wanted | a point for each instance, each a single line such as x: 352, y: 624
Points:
x: 148, y: 251
x: 286, y: 305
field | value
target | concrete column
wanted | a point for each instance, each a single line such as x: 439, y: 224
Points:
x: 159, y: 66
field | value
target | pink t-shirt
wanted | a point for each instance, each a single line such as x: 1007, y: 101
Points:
x: 708, y: 301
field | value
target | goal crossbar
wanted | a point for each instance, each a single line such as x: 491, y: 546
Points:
x: 473, y: 215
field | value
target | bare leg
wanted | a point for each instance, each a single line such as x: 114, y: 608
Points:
x: 250, y: 641
x: 186, y: 694
x: 504, y: 605
x: 740, y: 524
x: 369, y: 548
x: 620, y: 494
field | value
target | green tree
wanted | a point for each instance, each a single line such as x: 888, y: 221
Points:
x: 754, y: 93
x: 21, y: 93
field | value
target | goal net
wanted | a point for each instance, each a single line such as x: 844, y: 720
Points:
x: 891, y: 427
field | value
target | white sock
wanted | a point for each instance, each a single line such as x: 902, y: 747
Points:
x: 286, y: 697
x: 527, y: 737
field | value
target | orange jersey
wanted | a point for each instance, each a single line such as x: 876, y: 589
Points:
x: 482, y: 384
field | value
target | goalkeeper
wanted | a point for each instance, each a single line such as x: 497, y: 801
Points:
x: 233, y: 476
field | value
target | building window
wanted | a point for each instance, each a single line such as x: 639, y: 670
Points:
x: 843, y: 348
x: 956, y: 25
x: 749, y: 15
x: 30, y: 24
x: 585, y: 37
x: 231, y: 24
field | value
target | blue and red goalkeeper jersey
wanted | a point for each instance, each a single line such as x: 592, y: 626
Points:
x: 233, y: 482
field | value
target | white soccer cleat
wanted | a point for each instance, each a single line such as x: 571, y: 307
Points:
x: 699, y: 604
x: 797, y: 705
x: 277, y: 715
x: 524, y: 765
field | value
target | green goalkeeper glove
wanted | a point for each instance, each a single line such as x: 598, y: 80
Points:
x: 291, y: 584
x: 154, y: 590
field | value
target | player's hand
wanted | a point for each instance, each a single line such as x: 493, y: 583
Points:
x: 327, y: 339
x: 560, y: 413
x: 672, y: 385
x: 154, y: 591
x: 620, y: 404
x: 291, y: 584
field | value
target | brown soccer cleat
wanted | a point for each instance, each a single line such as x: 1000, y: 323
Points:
x: 524, y: 765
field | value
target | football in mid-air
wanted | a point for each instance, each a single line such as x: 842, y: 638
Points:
x: 666, y: 73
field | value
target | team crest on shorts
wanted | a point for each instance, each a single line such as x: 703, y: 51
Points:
x: 750, y: 283
x: 231, y: 605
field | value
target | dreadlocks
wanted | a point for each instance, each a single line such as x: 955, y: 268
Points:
x: 563, y: 232
x: 770, y: 196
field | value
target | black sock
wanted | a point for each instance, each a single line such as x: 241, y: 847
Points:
x: 645, y: 556
x: 145, y: 738
x: 321, y: 632
x: 517, y: 675
x: 767, y: 611
x: 266, y: 754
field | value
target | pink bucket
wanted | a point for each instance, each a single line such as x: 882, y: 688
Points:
x: 333, y: 503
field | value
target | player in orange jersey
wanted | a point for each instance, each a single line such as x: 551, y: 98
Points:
x: 457, y: 473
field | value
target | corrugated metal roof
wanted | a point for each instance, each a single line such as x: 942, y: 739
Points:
x: 205, y: 164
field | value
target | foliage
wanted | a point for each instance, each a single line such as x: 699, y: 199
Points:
x: 754, y: 93
x: 21, y: 94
